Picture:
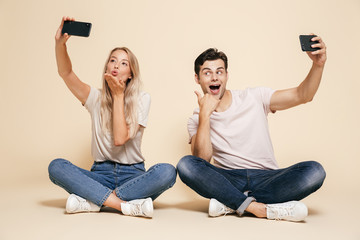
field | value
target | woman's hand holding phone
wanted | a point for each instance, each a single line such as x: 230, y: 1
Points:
x: 59, y: 37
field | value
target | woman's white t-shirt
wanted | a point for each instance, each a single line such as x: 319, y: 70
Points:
x: 102, y: 144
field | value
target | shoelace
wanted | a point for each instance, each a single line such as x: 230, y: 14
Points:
x: 84, y: 205
x: 226, y: 210
x: 281, y: 212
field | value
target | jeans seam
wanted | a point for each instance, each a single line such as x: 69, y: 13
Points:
x: 139, y: 178
x: 105, y: 197
x: 77, y: 169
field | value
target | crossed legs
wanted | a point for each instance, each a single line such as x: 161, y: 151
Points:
x: 111, y: 184
x: 251, y: 189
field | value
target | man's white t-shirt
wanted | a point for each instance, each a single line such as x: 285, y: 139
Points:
x: 240, y: 135
x: 102, y: 144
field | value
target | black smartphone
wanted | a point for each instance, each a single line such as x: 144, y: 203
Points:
x: 305, y: 41
x: 81, y: 29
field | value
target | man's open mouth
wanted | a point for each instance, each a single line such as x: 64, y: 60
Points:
x: 215, y: 89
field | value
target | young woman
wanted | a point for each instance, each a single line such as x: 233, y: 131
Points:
x: 119, y: 113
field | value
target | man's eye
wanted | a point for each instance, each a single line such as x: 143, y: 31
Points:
x: 207, y: 73
x: 219, y: 72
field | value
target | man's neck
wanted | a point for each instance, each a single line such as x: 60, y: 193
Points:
x: 225, y: 102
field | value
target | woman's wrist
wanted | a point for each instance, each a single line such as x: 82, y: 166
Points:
x: 118, y: 97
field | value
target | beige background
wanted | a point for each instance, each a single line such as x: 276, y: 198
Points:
x: 41, y: 120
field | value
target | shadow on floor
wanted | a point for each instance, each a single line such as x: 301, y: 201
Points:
x: 313, y: 212
x: 56, y: 203
x: 200, y: 205
x: 196, y: 205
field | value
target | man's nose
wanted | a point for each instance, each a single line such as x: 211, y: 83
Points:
x: 214, y: 78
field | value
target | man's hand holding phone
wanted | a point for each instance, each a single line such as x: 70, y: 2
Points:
x: 315, y: 48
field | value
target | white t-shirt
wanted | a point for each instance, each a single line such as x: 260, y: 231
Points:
x: 240, y: 135
x: 102, y: 145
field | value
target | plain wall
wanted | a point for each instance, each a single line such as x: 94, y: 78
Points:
x: 41, y: 120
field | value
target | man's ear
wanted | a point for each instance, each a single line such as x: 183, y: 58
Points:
x: 197, y: 80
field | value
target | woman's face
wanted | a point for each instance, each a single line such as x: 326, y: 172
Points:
x: 118, y: 65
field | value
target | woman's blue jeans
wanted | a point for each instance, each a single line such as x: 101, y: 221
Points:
x: 129, y: 181
x: 239, y: 187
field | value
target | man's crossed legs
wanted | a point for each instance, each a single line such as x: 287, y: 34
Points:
x: 265, y: 193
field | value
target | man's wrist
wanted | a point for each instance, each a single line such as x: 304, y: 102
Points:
x: 318, y: 67
x: 204, y: 114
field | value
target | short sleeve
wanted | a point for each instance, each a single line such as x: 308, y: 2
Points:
x: 264, y: 95
x: 192, y: 125
x: 92, y: 99
x: 144, y: 108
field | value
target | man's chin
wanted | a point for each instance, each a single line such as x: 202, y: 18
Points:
x: 217, y: 96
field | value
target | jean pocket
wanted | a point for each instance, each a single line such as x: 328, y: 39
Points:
x: 93, y: 167
x: 139, y: 166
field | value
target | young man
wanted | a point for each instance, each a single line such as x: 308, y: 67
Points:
x: 231, y: 127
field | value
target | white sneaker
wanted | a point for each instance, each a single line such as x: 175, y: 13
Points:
x: 76, y: 204
x: 291, y: 211
x: 216, y: 208
x: 138, y: 207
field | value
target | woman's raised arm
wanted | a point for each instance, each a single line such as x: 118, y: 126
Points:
x: 80, y: 89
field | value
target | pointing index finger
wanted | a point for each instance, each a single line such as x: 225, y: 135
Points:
x: 198, y: 95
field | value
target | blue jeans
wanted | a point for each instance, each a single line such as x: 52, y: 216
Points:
x: 239, y: 187
x: 129, y: 181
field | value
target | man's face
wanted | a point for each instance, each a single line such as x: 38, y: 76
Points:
x: 213, y: 78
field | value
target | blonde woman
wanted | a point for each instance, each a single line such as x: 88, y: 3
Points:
x: 119, y: 113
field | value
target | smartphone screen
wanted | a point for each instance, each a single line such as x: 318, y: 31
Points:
x: 81, y: 29
x: 305, y: 41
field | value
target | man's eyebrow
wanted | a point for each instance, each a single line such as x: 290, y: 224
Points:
x: 205, y: 69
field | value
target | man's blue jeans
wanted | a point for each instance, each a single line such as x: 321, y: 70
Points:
x: 239, y: 187
x: 129, y: 181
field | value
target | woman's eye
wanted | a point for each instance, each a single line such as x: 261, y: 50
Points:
x: 112, y: 60
x: 124, y: 63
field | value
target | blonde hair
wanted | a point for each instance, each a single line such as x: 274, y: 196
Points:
x: 131, y: 97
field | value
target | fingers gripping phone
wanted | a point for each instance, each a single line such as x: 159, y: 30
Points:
x: 81, y: 29
x: 305, y: 41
